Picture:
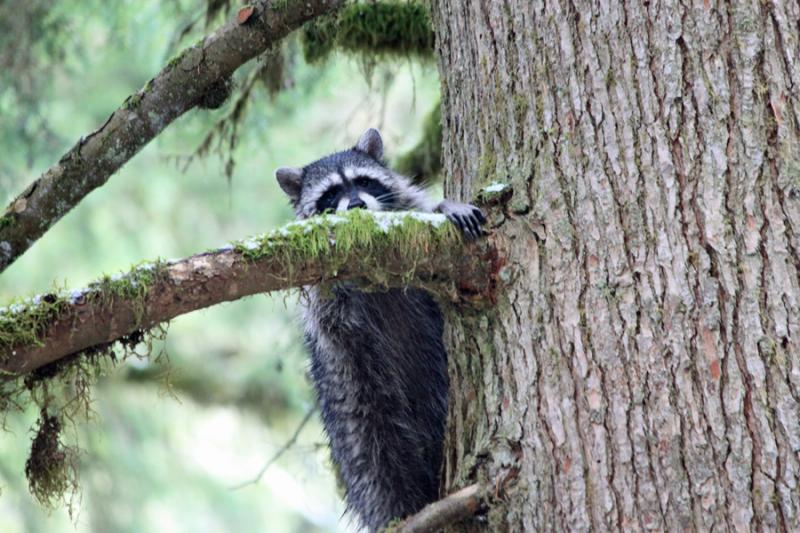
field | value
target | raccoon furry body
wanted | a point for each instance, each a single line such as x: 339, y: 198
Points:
x: 378, y: 363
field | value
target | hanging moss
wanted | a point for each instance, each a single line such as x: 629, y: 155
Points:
x: 216, y: 94
x: 62, y: 391
x: 423, y: 162
x: 214, y: 8
x: 272, y: 71
x: 51, y: 467
x: 375, y: 29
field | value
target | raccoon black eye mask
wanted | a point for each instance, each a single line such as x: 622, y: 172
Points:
x: 359, y: 178
x: 377, y: 360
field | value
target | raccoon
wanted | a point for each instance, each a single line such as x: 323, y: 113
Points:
x: 378, y: 363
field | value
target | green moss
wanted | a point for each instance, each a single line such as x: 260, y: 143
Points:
x: 487, y: 167
x: 279, y: 5
x: 62, y: 389
x: 495, y: 193
x: 374, y: 235
x: 23, y: 323
x: 133, y: 101
x: 384, y: 28
x: 177, y: 58
x: 521, y: 105
x: 7, y: 220
x: 424, y: 161
x: 133, y: 286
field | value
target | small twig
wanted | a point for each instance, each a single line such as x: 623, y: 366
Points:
x: 279, y: 453
x: 447, y: 511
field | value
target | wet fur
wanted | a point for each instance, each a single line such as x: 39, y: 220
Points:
x: 380, y: 371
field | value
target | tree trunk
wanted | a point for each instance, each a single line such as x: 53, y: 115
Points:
x: 642, y: 368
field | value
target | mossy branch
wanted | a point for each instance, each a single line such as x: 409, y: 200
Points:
x: 179, y: 86
x: 376, y: 250
x: 372, y: 29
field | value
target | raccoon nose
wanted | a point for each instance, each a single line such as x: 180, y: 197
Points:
x: 356, y: 203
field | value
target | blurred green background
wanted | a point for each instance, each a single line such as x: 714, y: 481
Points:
x: 157, y: 457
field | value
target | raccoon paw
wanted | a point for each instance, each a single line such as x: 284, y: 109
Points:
x: 466, y: 217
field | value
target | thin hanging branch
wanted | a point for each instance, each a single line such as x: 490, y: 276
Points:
x: 374, y: 249
x: 277, y: 455
x: 176, y: 89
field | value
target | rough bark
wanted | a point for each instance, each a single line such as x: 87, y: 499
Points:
x: 175, y: 90
x: 375, y: 250
x: 642, y: 369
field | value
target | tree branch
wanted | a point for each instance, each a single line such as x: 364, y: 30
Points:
x: 374, y: 249
x: 175, y: 90
x: 445, y: 512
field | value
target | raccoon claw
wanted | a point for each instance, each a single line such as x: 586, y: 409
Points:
x: 466, y: 217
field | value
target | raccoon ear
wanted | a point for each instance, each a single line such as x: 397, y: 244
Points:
x: 371, y: 143
x: 291, y: 181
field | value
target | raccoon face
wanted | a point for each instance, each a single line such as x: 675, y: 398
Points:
x: 355, y: 178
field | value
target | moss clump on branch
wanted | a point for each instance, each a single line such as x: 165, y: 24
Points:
x: 62, y: 389
x: 423, y: 162
x: 135, y: 285
x: 24, y: 323
x: 384, y: 28
x: 374, y: 234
